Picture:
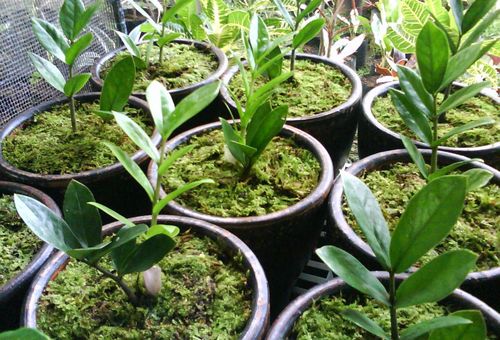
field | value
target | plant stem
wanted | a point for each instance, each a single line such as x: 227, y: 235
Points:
x: 130, y: 294
x: 294, y: 51
x: 392, y: 301
x: 434, y: 148
x: 156, y: 195
x: 72, y: 103
x: 160, y: 57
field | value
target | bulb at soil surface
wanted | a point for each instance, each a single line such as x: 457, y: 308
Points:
x: 152, y: 280
x: 228, y: 156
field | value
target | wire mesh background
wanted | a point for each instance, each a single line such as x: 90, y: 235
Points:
x: 20, y: 88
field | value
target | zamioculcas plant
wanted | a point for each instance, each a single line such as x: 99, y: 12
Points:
x: 427, y: 220
x: 301, y: 35
x: 65, y: 46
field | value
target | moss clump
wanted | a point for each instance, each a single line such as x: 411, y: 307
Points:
x: 205, y: 295
x: 46, y: 144
x: 475, y: 108
x: 324, y: 321
x: 17, y: 243
x: 282, y: 176
x: 476, y: 229
x: 182, y: 65
x: 315, y: 88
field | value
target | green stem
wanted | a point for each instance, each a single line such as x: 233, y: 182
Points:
x: 434, y: 147
x: 392, y: 301
x: 72, y: 104
x: 294, y: 51
x: 156, y: 195
x: 160, y: 57
x: 130, y: 294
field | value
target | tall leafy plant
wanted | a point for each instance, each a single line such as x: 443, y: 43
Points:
x: 65, y: 44
x: 427, y: 220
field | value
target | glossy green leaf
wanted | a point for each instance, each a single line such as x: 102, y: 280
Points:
x: 477, y: 178
x: 474, y: 330
x: 158, y: 207
x: 261, y: 95
x: 23, y: 333
x: 85, y: 18
x: 449, y: 168
x: 461, y: 96
x: 232, y: 140
x: 420, y: 329
x: 258, y: 36
x: 465, y: 127
x: 169, y: 14
x: 132, y: 168
x: 415, y: 155
x: 428, y: 218
x: 83, y: 219
x: 349, y: 269
x: 77, y: 48
x: 457, y: 9
x: 368, y: 214
x: 50, y: 38
x: 475, y: 13
x: 70, y: 13
x: 284, y: 13
x: 48, y: 71
x: 311, y: 7
x: 364, y: 322
x: 161, y: 106
x: 137, y: 135
x: 113, y: 214
x: 129, y: 45
x: 167, y: 38
x: 172, y: 157
x: 415, y: 91
x: 479, y: 29
x: 118, y: 85
x: 169, y: 230
x: 308, y: 32
x: 76, y: 84
x: 436, y: 279
x: 432, y: 56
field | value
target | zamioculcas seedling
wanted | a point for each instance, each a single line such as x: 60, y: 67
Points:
x: 301, y: 35
x: 65, y: 46
x: 427, y: 220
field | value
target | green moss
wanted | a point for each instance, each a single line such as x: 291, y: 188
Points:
x: 478, y: 107
x: 476, y: 229
x: 315, y: 88
x: 205, y: 295
x: 282, y: 176
x: 183, y: 65
x: 46, y: 144
x: 324, y: 321
x: 18, y: 245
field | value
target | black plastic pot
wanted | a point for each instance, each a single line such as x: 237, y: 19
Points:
x: 259, y: 318
x: 12, y: 292
x: 374, y: 137
x: 335, y: 128
x: 484, y: 284
x: 283, y: 240
x: 283, y: 326
x: 111, y: 185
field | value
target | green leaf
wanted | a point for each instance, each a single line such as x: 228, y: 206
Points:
x: 118, y: 85
x: 84, y: 19
x: 449, y: 168
x: 158, y: 207
x: 50, y: 38
x: 428, y: 218
x: 70, y: 13
x: 436, y: 279
x: 129, y: 45
x: 364, y: 322
x: 161, y: 106
x: 461, y: 96
x: 258, y: 37
x: 479, y: 29
x: 261, y: 95
x: 23, y: 333
x: 132, y: 168
x: 48, y: 71
x: 417, y: 330
x: 169, y: 230
x: 233, y: 143
x: 137, y: 135
x: 458, y: 12
x: 172, y: 157
x: 76, y: 84
x: 415, y: 92
x: 167, y: 38
x: 311, y: 7
x: 308, y: 32
x: 474, y: 330
x: 77, y: 48
x: 465, y: 127
x: 477, y: 178
x: 432, y: 56
x: 284, y: 12
x: 113, y: 214
x: 83, y: 219
x: 349, y: 269
x: 169, y: 14
x: 45, y: 224
x: 475, y: 13
x: 369, y: 216
x: 415, y: 155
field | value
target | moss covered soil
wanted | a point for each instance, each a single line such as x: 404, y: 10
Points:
x: 283, y: 175
x: 47, y: 145
x: 314, y: 88
x: 478, y: 107
x: 477, y: 228
x: 324, y: 321
x: 182, y: 65
x: 205, y: 295
x: 18, y: 244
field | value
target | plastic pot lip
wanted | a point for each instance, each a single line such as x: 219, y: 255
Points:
x: 313, y: 200
x: 53, y: 180
x: 219, y: 54
x: 285, y: 321
x: 381, y: 90
x: 42, y: 255
x: 383, y: 158
x: 353, y: 100
x: 259, y: 317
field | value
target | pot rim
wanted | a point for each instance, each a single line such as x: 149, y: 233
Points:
x: 387, y: 157
x: 354, y: 98
x: 87, y: 176
x: 314, y: 199
x: 259, y: 318
x: 222, y: 60
x: 381, y: 90
x: 292, y: 312
x: 43, y: 254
